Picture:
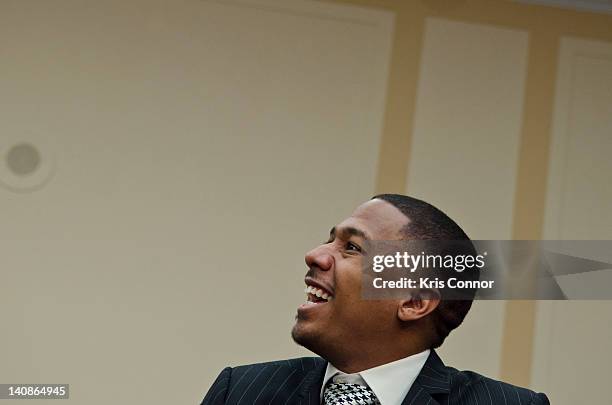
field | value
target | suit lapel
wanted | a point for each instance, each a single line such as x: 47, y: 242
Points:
x: 311, y: 385
x: 432, y: 385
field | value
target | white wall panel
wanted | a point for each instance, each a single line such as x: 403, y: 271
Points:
x: 572, y: 338
x: 465, y: 151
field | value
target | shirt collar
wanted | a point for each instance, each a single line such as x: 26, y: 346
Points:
x: 390, y: 382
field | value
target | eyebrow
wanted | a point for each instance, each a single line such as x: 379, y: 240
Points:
x: 348, y: 231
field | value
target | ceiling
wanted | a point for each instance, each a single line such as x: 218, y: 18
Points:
x: 598, y: 6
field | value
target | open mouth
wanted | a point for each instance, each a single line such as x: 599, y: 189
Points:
x: 315, y: 295
x: 319, y: 294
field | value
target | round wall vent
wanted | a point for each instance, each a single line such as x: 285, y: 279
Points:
x: 23, y: 159
x: 25, y: 166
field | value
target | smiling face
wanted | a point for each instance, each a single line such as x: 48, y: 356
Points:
x: 335, y: 322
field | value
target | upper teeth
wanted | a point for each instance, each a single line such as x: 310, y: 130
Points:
x: 318, y: 292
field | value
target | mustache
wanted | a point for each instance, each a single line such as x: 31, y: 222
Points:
x: 310, y: 273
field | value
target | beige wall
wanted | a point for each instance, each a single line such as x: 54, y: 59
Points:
x: 175, y: 134
x: 199, y: 150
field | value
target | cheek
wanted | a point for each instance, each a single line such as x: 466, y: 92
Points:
x: 348, y: 302
x: 363, y: 319
x: 348, y: 280
x: 350, y: 309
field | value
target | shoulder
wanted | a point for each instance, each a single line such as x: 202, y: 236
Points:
x: 471, y: 387
x: 264, y: 382
x: 301, y: 363
x: 468, y: 387
x: 272, y: 370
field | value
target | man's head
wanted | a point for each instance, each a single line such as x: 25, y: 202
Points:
x: 340, y: 325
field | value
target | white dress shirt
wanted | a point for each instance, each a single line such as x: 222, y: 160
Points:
x: 390, y: 382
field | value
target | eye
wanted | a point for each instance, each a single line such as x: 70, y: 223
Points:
x: 350, y: 246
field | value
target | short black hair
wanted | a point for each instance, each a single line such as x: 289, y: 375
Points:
x: 429, y: 223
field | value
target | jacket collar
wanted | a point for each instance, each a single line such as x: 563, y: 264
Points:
x: 311, y: 385
x: 431, y: 385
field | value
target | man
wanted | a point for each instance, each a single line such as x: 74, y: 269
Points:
x: 371, y: 351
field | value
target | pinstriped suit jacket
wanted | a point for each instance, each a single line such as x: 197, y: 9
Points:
x: 298, y: 382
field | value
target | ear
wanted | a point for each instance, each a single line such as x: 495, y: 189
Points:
x: 420, y: 304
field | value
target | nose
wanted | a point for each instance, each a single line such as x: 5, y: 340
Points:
x: 320, y: 257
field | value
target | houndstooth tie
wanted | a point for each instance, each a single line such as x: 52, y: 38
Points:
x: 349, y: 394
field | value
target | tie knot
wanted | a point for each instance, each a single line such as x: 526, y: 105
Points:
x: 345, y: 393
x: 343, y: 378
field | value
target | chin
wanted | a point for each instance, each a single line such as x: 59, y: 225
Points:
x: 312, y: 339
x: 298, y: 334
x: 315, y: 341
x: 303, y: 335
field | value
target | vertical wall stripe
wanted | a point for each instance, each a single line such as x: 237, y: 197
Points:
x: 396, y: 138
x: 530, y: 197
x: 403, y: 79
